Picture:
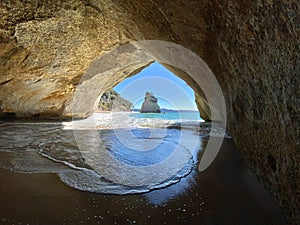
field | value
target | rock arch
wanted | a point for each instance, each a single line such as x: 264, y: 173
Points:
x: 127, y: 60
x: 251, y: 47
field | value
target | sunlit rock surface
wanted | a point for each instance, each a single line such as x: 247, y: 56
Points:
x: 252, y: 48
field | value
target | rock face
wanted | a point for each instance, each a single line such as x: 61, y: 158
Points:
x: 45, y: 48
x: 112, y: 101
x: 252, y: 47
x: 150, y: 104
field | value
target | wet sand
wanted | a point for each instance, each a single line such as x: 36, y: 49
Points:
x: 226, y: 194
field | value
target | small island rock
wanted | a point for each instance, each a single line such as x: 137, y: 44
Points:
x: 150, y: 104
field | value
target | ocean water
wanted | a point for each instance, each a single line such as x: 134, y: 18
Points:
x: 121, y: 154
x: 114, y: 153
x: 171, y: 115
x: 106, y: 154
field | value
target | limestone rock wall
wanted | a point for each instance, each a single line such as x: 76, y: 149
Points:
x: 251, y: 46
x: 257, y: 55
x: 46, y: 46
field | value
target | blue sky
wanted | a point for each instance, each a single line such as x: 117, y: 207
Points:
x: 171, y: 91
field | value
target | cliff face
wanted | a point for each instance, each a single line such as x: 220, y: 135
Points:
x: 252, y: 48
x: 112, y: 101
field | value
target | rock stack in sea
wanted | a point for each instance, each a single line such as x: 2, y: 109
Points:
x: 150, y: 104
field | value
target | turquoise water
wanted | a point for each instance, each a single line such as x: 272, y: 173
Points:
x: 171, y: 115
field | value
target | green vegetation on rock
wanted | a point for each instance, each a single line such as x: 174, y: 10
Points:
x: 112, y: 101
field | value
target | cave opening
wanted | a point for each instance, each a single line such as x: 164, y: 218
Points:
x: 130, y: 59
x: 171, y: 94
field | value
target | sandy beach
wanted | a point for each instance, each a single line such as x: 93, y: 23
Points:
x: 226, y: 193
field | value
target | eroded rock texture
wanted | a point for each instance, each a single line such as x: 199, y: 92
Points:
x: 258, y: 57
x: 251, y: 46
x: 46, y: 46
